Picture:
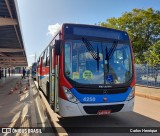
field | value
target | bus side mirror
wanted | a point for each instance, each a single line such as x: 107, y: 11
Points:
x: 58, y: 47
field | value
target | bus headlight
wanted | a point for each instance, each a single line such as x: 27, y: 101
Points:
x: 132, y: 94
x: 69, y: 95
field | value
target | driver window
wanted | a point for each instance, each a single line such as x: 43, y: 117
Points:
x: 120, y: 57
x: 67, y: 59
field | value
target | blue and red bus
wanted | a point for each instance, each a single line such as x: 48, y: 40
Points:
x: 33, y: 70
x: 88, y: 70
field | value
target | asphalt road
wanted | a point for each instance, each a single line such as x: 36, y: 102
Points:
x: 146, y: 114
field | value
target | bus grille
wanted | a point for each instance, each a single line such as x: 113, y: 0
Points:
x: 95, y: 109
x: 101, y: 91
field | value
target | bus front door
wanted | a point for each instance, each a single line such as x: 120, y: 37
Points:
x: 54, y: 89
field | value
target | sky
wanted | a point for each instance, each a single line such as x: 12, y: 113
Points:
x: 40, y: 18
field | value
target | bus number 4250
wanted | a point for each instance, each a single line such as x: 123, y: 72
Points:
x: 89, y: 99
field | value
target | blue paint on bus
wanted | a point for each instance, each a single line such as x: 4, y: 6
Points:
x: 99, y: 98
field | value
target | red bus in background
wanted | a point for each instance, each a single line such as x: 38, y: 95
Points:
x: 87, y: 70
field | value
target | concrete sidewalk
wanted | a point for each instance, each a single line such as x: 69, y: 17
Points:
x: 16, y: 103
x: 148, y: 92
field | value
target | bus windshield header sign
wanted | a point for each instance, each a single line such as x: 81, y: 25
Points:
x: 95, y: 31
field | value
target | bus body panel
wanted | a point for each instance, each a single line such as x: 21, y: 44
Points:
x: 34, y: 67
x: 44, y: 79
x: 99, y: 98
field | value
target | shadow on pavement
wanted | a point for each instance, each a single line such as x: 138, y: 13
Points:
x: 99, y: 124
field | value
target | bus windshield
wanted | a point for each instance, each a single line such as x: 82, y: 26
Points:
x: 98, y: 62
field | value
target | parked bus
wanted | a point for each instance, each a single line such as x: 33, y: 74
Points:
x: 88, y: 70
x: 34, y: 67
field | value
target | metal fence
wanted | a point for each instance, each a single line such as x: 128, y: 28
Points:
x: 147, y: 75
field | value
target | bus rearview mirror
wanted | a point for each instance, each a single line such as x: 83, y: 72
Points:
x: 58, y: 47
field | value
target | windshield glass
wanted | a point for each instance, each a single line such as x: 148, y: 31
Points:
x: 95, y: 62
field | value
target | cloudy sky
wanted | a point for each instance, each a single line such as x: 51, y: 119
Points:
x: 41, y: 18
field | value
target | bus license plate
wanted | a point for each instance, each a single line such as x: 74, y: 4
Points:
x: 104, y: 112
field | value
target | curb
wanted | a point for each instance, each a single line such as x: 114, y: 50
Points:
x: 33, y: 112
x: 52, y: 115
x: 148, y: 86
x: 147, y: 96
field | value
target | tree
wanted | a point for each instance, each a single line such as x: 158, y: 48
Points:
x: 152, y: 56
x: 143, y: 27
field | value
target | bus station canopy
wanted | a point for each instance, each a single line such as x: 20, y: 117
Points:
x: 12, y: 50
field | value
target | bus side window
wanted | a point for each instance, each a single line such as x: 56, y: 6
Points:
x: 47, y: 57
x: 44, y: 59
x: 47, y: 61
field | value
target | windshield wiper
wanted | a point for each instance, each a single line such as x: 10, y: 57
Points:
x: 109, y: 53
x: 95, y: 54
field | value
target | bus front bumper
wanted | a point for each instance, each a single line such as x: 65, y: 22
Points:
x: 69, y: 109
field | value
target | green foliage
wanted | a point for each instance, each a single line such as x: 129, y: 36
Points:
x: 152, y: 56
x: 143, y: 27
